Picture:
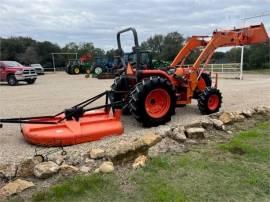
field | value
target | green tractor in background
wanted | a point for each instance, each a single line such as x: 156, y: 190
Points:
x: 79, y: 66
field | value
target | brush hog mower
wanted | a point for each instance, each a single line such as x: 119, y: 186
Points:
x: 151, y: 95
x: 75, y: 125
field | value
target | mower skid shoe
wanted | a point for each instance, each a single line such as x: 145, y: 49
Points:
x: 92, y: 126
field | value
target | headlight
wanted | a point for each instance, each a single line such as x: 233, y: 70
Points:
x: 19, y: 72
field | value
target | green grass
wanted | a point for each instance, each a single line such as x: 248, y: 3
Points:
x: 234, y: 171
x: 82, y: 188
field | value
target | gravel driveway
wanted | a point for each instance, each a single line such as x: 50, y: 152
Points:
x: 53, y: 92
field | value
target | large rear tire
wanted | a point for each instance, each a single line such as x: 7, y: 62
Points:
x: 122, y: 83
x: 153, y: 101
x: 210, y: 101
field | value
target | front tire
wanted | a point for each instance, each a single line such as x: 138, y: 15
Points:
x: 12, y: 81
x: 98, y: 70
x: 210, y: 100
x: 31, y: 81
x: 153, y: 101
x: 76, y: 70
x: 207, y: 82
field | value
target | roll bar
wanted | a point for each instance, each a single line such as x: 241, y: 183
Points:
x: 136, y: 43
x: 135, y: 36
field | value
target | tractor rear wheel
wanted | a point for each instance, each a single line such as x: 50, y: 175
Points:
x: 121, y: 83
x: 209, y: 101
x: 153, y: 101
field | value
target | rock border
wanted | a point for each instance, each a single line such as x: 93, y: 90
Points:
x: 167, y: 138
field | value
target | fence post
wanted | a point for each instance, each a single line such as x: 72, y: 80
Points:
x: 241, y: 64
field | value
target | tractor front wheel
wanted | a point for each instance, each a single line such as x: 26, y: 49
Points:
x: 209, y: 101
x: 153, y: 101
x: 98, y: 70
x: 76, y: 70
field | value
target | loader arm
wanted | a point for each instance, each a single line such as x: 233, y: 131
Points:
x: 243, y: 36
x: 237, y: 37
x: 191, y: 44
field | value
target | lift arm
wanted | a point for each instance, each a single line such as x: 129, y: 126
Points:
x: 236, y: 37
x: 191, y: 43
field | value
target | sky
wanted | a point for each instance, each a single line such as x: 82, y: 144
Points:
x: 97, y: 21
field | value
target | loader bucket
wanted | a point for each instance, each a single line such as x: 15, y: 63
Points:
x: 254, y: 34
x: 93, y: 125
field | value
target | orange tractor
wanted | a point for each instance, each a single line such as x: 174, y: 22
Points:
x: 151, y: 95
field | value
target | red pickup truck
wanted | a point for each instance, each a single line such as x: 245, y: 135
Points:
x: 13, y: 72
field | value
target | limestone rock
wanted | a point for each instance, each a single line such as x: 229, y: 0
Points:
x: 96, y: 170
x: 261, y: 109
x: 58, y: 159
x: 237, y: 116
x: 126, y: 151
x: 15, y: 187
x: 25, y: 167
x: 163, y: 130
x: 207, y: 123
x: 97, y: 153
x: 45, y: 169
x: 8, y: 171
x: 139, y: 162
x: 195, y: 133
x: 192, y: 142
x: 106, y: 167
x: 167, y: 145
x: 247, y: 113
x: 150, y: 139
x: 74, y: 158
x: 178, y: 135
x: 85, y: 169
x: 218, y: 124
x: 226, y: 117
x: 67, y: 170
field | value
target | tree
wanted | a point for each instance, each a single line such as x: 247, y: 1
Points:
x: 258, y: 56
x: 30, y: 56
x: 154, y: 44
x: 164, y: 47
x: 172, y: 43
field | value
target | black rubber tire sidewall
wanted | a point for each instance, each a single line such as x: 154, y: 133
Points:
x: 31, y: 81
x: 203, y: 100
x: 139, y: 95
x: 12, y: 81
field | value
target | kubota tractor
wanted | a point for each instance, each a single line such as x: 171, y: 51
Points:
x: 152, y: 95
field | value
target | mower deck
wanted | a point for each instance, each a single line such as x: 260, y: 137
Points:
x: 93, y: 125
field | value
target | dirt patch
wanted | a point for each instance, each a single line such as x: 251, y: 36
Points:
x: 54, y: 92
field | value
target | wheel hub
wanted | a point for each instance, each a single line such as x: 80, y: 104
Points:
x: 213, y: 102
x: 157, y: 103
